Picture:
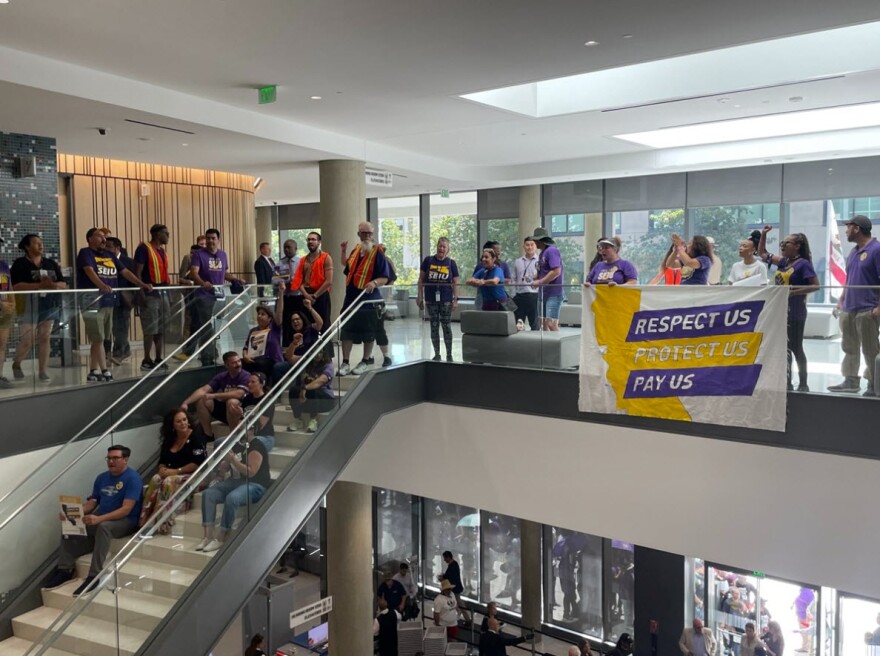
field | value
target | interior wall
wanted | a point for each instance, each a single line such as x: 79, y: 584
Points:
x: 794, y: 514
x: 110, y: 193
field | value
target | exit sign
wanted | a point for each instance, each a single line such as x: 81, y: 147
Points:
x: 267, y: 94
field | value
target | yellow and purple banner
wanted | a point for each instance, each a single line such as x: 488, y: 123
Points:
x: 703, y: 354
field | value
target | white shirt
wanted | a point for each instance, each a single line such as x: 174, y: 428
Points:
x: 525, y: 270
x: 408, y: 584
x: 749, y: 275
x: 447, y: 609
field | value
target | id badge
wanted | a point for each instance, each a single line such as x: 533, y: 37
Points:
x: 219, y: 292
x: 436, y: 295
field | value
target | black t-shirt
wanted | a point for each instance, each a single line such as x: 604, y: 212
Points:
x: 193, y: 451
x: 249, y: 401
x: 393, y: 594
x: 263, y: 477
x: 23, y: 270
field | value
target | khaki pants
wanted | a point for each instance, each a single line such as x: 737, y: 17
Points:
x: 859, y: 328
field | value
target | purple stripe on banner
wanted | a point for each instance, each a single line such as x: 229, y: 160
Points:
x: 675, y: 323
x: 699, y: 381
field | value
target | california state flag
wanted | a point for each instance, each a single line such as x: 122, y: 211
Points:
x: 835, y: 275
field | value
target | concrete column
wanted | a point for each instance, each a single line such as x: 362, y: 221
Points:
x: 529, y: 211
x: 531, y: 569
x: 349, y: 567
x: 264, y: 222
x: 343, y: 206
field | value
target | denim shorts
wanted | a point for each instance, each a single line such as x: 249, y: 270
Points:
x: 551, y: 307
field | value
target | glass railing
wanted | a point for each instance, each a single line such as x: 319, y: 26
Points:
x: 67, y: 469
x: 140, y: 584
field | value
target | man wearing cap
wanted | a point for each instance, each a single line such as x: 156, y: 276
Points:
x: 151, y: 266
x: 98, y: 269
x: 697, y: 641
x: 860, y: 307
x: 549, y: 281
x: 624, y: 646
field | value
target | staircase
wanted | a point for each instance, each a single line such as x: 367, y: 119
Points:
x: 149, y: 584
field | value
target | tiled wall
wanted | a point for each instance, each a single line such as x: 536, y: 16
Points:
x: 28, y: 204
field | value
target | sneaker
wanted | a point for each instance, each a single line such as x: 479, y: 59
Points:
x: 520, y: 325
x: 869, y: 392
x: 449, y: 358
x: 94, y: 377
x: 848, y: 386
x: 360, y: 368
x: 370, y: 360
x: 5, y: 383
x: 313, y: 426
x: 387, y: 362
x: 803, y: 387
x: 296, y: 425
x: 436, y: 358
x: 201, y: 545
x: 183, y: 357
x: 58, y: 578
x: 147, y: 365
x: 213, y: 545
x: 107, y: 376
x: 344, y: 369
x: 45, y: 377
x: 17, y: 373
x: 83, y: 586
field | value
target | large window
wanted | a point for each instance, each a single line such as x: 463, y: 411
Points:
x: 573, y: 581
x: 859, y: 626
x: 646, y: 236
x: 398, y: 526
x: 299, y: 236
x: 399, y: 231
x: 728, y: 225
x: 502, y: 558
x: 619, y: 604
x: 568, y: 232
x: 455, y: 218
x: 455, y: 528
x: 506, y: 233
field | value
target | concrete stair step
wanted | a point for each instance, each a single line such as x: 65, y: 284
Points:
x: 133, y: 609
x: 86, y: 635
x: 16, y: 646
x: 149, y: 576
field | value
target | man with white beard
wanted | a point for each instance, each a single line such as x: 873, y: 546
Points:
x: 366, y: 269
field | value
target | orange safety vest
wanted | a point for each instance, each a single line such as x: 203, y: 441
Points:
x: 316, y: 275
x: 157, y: 265
x: 360, y: 273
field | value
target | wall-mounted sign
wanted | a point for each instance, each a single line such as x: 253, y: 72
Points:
x: 378, y: 178
x: 311, y: 612
x: 267, y: 95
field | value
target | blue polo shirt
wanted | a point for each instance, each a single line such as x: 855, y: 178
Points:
x: 110, y: 491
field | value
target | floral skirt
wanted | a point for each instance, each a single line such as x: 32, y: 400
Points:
x: 159, y: 491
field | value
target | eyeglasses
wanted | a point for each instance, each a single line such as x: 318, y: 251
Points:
x: 114, y: 458
x: 360, y: 232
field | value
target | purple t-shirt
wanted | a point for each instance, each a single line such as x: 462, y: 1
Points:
x: 862, y: 268
x: 106, y: 266
x: 796, y: 272
x: 212, y: 268
x: 699, y: 276
x: 439, y: 275
x: 223, y: 382
x: 551, y: 259
x: 620, y: 272
x: 5, y: 277
x: 264, y: 342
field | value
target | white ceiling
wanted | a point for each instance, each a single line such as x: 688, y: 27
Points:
x: 389, y: 74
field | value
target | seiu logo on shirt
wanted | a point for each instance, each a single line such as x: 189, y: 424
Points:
x: 438, y: 272
x: 105, y: 266
x: 606, y: 275
x: 215, y: 264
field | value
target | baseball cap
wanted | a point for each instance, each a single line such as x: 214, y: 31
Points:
x: 862, y: 222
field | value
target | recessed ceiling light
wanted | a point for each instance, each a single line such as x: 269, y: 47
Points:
x: 315, y: 97
x: 184, y: 144
x: 627, y: 36
x: 830, y: 168
x: 591, y: 43
x: 4, y: 2
x: 808, y: 121
x: 737, y: 106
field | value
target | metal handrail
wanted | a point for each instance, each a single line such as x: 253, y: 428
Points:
x: 7, y: 518
x: 67, y: 617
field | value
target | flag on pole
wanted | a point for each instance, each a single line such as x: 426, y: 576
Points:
x: 835, y: 274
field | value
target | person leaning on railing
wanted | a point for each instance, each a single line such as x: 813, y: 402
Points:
x: 182, y: 452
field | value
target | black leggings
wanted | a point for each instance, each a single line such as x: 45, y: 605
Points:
x: 796, y: 348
